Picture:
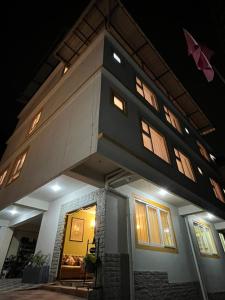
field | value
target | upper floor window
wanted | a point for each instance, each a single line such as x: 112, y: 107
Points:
x: 154, y: 226
x: 3, y: 176
x: 203, y: 151
x: 217, y: 190
x: 154, y: 141
x: 205, y: 239
x: 119, y: 103
x: 145, y: 92
x: 184, y: 165
x: 17, y: 167
x: 172, y: 119
x: 35, y: 121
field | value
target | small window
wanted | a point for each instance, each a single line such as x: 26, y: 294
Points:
x: 34, y: 123
x: 222, y: 239
x: 153, y: 226
x: 145, y: 92
x: 203, y: 151
x: 17, y: 167
x: 170, y: 117
x: 205, y: 239
x: 119, y: 103
x: 154, y: 141
x: 3, y: 176
x: 184, y: 165
x: 217, y: 190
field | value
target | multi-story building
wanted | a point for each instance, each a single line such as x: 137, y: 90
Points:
x: 111, y: 147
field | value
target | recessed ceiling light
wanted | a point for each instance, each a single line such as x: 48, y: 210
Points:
x: 200, y: 171
x: 13, y: 211
x: 163, y: 192
x: 186, y: 130
x: 117, y: 58
x: 55, y: 187
x: 210, y: 216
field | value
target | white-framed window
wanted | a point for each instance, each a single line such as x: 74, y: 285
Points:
x: 217, y: 190
x: 153, y: 225
x: 17, y: 167
x: 172, y: 119
x: 222, y: 239
x: 3, y: 175
x: 203, y: 151
x: 184, y: 165
x: 146, y: 93
x: 205, y: 239
x: 119, y: 103
x: 34, y: 122
x: 154, y: 141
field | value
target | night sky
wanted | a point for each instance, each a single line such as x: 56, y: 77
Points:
x: 32, y: 30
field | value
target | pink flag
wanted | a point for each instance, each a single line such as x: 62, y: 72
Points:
x: 201, y: 55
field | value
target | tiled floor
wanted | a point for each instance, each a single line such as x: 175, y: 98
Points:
x: 36, y: 294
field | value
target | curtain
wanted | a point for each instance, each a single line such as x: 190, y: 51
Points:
x: 167, y: 232
x: 154, y: 230
x: 159, y: 145
x: 141, y: 223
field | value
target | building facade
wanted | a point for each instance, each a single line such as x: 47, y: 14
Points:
x: 109, y: 139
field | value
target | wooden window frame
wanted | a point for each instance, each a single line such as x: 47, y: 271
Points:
x: 177, y: 156
x: 215, y: 184
x: 14, y: 166
x: 206, y: 225
x: 169, y: 115
x: 148, y: 134
x: 31, y: 128
x: 159, y: 207
x: 3, y: 176
x: 140, y: 84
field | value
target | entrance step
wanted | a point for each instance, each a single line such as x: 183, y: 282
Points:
x: 80, y: 291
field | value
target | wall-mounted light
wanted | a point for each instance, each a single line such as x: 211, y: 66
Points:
x: 212, y: 157
x: 117, y: 58
x: 55, y: 187
x: 187, y: 131
x: 200, y: 171
x: 13, y: 211
x: 66, y: 68
x: 210, y: 216
x: 163, y: 192
x: 93, y: 223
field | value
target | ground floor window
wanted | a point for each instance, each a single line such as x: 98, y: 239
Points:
x: 154, y: 229
x: 222, y: 239
x: 205, y: 239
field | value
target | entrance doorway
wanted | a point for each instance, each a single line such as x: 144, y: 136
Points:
x: 79, y: 240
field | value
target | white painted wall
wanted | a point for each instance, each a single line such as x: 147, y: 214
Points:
x: 179, y: 266
x: 49, y: 224
x: 5, y: 239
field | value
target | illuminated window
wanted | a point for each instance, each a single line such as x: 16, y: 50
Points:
x: 154, y: 141
x: 153, y: 225
x: 119, y: 103
x: 203, y: 151
x: 217, y: 190
x: 222, y: 239
x: 184, y: 165
x: 3, y: 176
x: 205, y: 239
x: 34, y: 123
x: 17, y: 167
x: 172, y: 119
x: 145, y: 92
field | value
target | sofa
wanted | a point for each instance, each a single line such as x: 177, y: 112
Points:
x: 72, y: 267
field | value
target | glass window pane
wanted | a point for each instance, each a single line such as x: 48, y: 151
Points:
x: 139, y: 90
x: 141, y: 223
x: 145, y: 126
x: 147, y: 141
x: 159, y: 145
x: 154, y: 230
x: 167, y: 230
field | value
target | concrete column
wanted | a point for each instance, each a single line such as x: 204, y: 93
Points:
x: 5, y: 239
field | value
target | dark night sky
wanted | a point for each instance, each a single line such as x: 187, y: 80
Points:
x: 32, y: 30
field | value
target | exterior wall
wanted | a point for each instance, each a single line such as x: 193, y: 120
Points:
x: 212, y: 269
x: 5, y: 239
x: 173, y: 264
x: 116, y: 129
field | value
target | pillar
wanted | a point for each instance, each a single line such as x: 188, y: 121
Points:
x: 5, y: 239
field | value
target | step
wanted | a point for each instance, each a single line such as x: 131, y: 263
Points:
x: 76, y: 291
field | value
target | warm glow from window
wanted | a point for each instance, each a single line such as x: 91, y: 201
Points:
x: 203, y: 151
x: 217, y: 190
x: 205, y: 239
x: 153, y: 225
x: 154, y: 141
x: 184, y: 165
x: 2, y: 177
x: 35, y: 122
x: 145, y: 92
x: 172, y: 119
x: 16, y: 170
x: 119, y: 103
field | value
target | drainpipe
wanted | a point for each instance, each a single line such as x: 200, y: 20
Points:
x: 201, y: 281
